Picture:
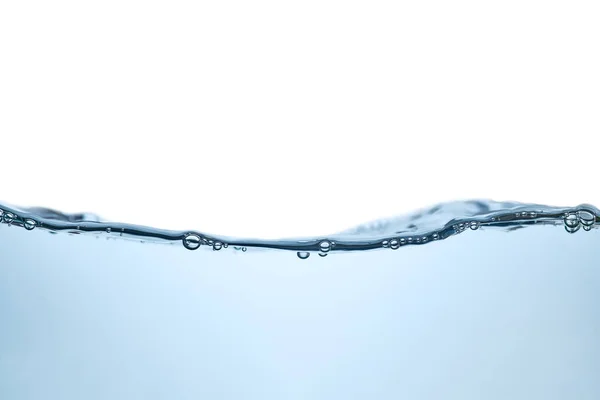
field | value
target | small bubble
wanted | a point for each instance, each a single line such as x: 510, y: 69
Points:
x: 587, y: 218
x: 474, y: 225
x: 325, y: 246
x: 332, y: 244
x: 8, y: 217
x: 424, y: 239
x: 244, y: 249
x: 571, y: 229
x: 517, y: 215
x: 192, y: 241
x: 533, y: 214
x: 394, y: 244
x: 108, y: 230
x: 1, y: 212
x: 29, y: 224
x: 435, y: 236
x: 217, y: 246
x: 303, y: 255
x: 493, y: 219
x: 587, y: 228
x: 385, y: 244
x: 225, y: 245
x: 571, y: 221
x: 402, y: 241
x: 524, y: 213
x: 409, y: 239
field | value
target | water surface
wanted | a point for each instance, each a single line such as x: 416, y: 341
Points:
x: 464, y: 300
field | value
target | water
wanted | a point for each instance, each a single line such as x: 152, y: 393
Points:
x: 464, y: 300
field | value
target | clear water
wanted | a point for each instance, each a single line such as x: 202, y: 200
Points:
x: 465, y: 300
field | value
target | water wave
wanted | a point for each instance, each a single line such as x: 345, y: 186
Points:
x: 428, y: 225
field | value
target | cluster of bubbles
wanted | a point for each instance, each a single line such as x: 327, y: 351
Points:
x: 325, y: 246
x: 581, y: 219
x: 9, y: 218
x: 526, y: 214
x: 462, y: 226
x: 193, y: 241
x: 396, y: 243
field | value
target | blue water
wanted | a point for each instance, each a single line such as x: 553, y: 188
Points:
x: 465, y: 300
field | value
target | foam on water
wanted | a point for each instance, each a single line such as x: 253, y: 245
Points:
x: 465, y: 300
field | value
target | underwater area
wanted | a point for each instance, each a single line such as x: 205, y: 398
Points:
x: 464, y: 300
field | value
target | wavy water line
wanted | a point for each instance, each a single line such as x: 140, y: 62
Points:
x: 393, y: 233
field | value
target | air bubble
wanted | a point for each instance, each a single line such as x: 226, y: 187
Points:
x: 524, y: 213
x: 225, y: 245
x: 303, y: 255
x: 8, y: 217
x: 572, y: 229
x: 402, y: 241
x: 474, y: 225
x: 409, y: 240
x: 244, y: 249
x: 385, y: 244
x: 394, y: 244
x: 217, y: 246
x: 325, y: 246
x: 424, y: 239
x: 533, y: 214
x: 435, y: 236
x: 192, y: 241
x: 587, y: 218
x: 572, y: 223
x: 108, y: 230
x: 29, y: 224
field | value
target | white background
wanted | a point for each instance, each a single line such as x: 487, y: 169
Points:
x: 271, y: 118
